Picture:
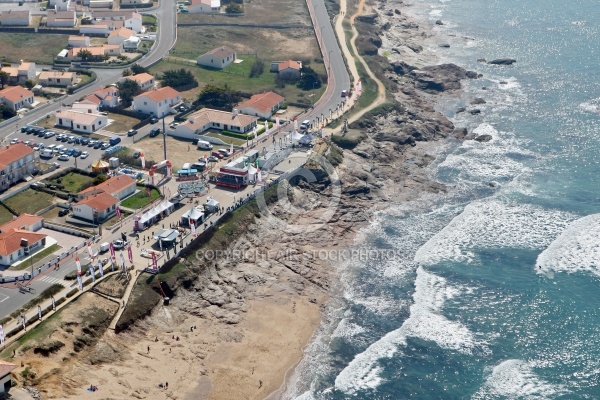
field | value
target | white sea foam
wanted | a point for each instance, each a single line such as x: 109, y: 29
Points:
x: 347, y: 329
x: 491, y: 223
x: 576, y: 249
x: 425, y: 321
x: 592, y: 106
x: 515, y: 379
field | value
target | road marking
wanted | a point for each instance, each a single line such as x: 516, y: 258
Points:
x: 5, y: 297
x: 51, y: 279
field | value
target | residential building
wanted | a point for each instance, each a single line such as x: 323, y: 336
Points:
x: 80, y: 121
x: 59, y: 5
x: 17, y: 97
x: 63, y: 19
x: 95, y: 29
x: 157, y: 102
x: 57, y: 78
x: 15, y: 18
x: 79, y: 41
x: 5, y: 376
x: 145, y: 80
x: 118, y: 36
x: 132, y: 43
x: 17, y: 161
x: 10, y: 245
x: 206, y: 119
x: 106, y: 97
x: 204, y: 6
x: 28, y: 222
x: 96, y: 208
x: 128, y: 19
x: 289, y: 69
x: 21, y: 73
x: 262, y: 105
x: 217, y: 58
x: 97, y: 52
x: 120, y: 186
x: 136, y: 3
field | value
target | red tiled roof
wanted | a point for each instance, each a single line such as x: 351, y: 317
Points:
x: 263, y: 102
x: 289, y: 64
x: 12, y: 153
x: 112, y: 185
x: 15, y: 93
x: 10, y: 241
x: 99, y: 202
x: 5, y: 368
x: 20, y: 222
x: 161, y: 94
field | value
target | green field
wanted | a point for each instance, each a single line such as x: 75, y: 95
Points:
x: 5, y: 215
x: 30, y: 201
x: 72, y: 182
x: 32, y: 47
x: 140, y: 199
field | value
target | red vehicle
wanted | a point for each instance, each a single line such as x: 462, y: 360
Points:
x: 217, y: 154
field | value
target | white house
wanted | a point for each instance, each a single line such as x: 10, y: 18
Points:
x: 10, y: 244
x: 214, y: 119
x: 129, y: 19
x: 132, y: 43
x: 204, y: 6
x: 57, y: 78
x: 16, y: 97
x: 96, y: 208
x: 80, y: 121
x: 157, y: 102
x: 59, y: 5
x: 107, y: 97
x: 5, y: 376
x: 79, y: 41
x: 65, y: 19
x: 95, y: 29
x: 120, y: 186
x: 145, y: 80
x: 15, y: 18
x: 17, y: 161
x: 118, y: 36
x: 21, y: 73
x: 289, y: 69
x: 96, y: 52
x: 217, y: 58
x: 28, y: 222
x: 262, y: 105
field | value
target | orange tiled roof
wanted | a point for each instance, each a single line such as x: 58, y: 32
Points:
x: 221, y: 52
x: 123, y: 32
x: 289, y: 64
x: 112, y: 185
x: 161, y: 94
x: 141, y: 78
x: 56, y: 74
x: 12, y: 153
x: 206, y: 115
x: 99, y: 202
x: 15, y: 93
x: 5, y: 368
x: 263, y: 102
x: 20, y: 222
x: 10, y: 241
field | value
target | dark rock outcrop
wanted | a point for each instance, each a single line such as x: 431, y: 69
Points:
x: 483, y: 138
x: 503, y: 61
x: 397, y: 12
x: 475, y: 111
x: 439, y: 22
x: 478, y: 100
x: 439, y: 78
x: 444, y: 45
x: 368, y: 18
x: 402, y: 68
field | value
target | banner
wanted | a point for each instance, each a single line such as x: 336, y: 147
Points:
x: 79, y: 282
x: 143, y: 160
x: 122, y: 261
x: 277, y: 121
x: 112, y: 264
x: 53, y: 304
x: 93, y: 273
x: 90, y: 249
x: 23, y: 322
x: 295, y: 123
x: 148, y: 192
x: 1, y: 336
x: 78, y: 266
x: 119, y: 212
x: 193, y: 226
x: 136, y: 224
x: 130, y: 254
x: 39, y: 312
x: 231, y: 149
x: 154, y: 263
x: 111, y: 246
x: 258, y: 177
x: 100, y: 267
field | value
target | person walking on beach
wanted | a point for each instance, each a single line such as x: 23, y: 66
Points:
x: 259, y: 383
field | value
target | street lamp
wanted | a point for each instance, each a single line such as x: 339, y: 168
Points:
x: 313, y: 95
x: 25, y: 246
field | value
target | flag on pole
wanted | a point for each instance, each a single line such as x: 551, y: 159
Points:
x: 79, y: 282
x: 254, y: 132
x: 112, y: 249
x: 1, y: 336
x: 130, y: 254
x: 258, y: 177
x: 39, y: 312
x: 78, y: 266
x: 193, y: 226
x: 122, y: 261
x: 100, y: 268
x: 112, y: 264
x: 231, y: 149
x: 119, y: 212
x: 266, y: 125
x: 23, y: 322
x: 93, y: 273
x: 89, y: 246
x: 277, y: 121
x: 154, y: 263
x: 143, y: 160
x: 295, y: 123
x: 53, y: 304
x: 148, y: 191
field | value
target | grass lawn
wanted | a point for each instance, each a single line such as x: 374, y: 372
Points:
x: 40, y: 255
x: 140, y: 199
x: 121, y: 123
x: 72, y: 182
x: 30, y: 201
x: 47, y: 123
x: 5, y: 215
x: 226, y: 139
x: 33, y: 47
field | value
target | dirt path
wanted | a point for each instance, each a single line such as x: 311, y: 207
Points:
x: 353, y: 70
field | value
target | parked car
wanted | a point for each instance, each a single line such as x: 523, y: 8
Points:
x: 132, y: 132
x: 217, y: 154
x: 98, y: 144
x: 49, y: 134
x: 344, y: 93
x: 59, y: 136
x: 85, y: 141
x: 173, y: 125
x: 71, y: 139
x: 63, y: 212
x: 91, y: 143
x: 105, y: 146
x: 213, y: 159
x: 153, y: 120
x: 63, y: 157
x: 26, y: 129
x: 118, y: 244
x: 84, y: 154
x: 136, y: 155
x: 70, y: 151
x: 154, y: 132
x: 76, y: 152
x: 225, y: 152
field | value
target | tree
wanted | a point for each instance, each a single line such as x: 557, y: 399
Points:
x: 6, y: 112
x: 138, y: 69
x: 234, y: 9
x: 84, y: 54
x: 177, y: 78
x: 29, y: 83
x: 3, y: 78
x: 128, y: 89
x: 257, y: 68
x: 126, y: 72
x: 217, y: 97
x: 309, y: 79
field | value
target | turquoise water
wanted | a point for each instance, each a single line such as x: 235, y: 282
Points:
x: 494, y: 292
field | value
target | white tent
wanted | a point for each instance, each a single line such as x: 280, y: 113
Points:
x: 195, y: 214
x: 212, y: 205
x: 296, y: 136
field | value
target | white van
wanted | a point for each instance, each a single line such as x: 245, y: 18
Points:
x: 104, y: 247
x: 59, y: 148
x: 46, y: 153
x: 51, y: 147
x: 305, y: 124
x: 202, y: 145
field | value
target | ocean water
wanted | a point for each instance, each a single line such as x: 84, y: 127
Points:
x: 493, y: 291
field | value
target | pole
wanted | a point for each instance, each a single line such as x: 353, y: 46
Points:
x: 164, y: 137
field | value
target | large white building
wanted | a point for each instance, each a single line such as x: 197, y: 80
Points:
x: 206, y: 119
x: 145, y: 80
x: 96, y: 208
x: 80, y: 121
x: 11, y: 233
x: 17, y: 161
x: 262, y: 105
x: 57, y: 78
x: 157, y: 102
x: 119, y: 19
